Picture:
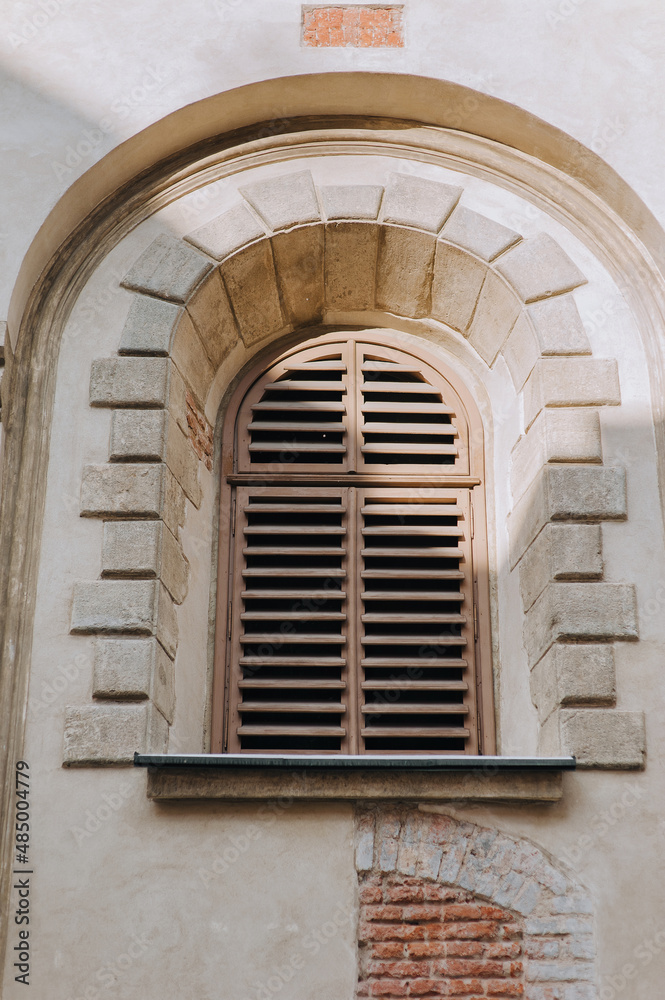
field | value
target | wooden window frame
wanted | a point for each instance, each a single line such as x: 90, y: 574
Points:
x: 467, y: 478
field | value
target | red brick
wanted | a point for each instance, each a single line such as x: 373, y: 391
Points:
x: 506, y: 949
x: 399, y: 970
x: 461, y: 967
x: 475, y: 931
x: 387, y: 987
x: 426, y: 949
x: 425, y: 912
x: 459, y: 987
x: 389, y: 949
x: 511, y: 931
x: 382, y: 913
x: 419, y: 987
x: 392, y: 932
x: 405, y: 893
x: 504, y: 988
x: 370, y: 894
x: 474, y: 911
x: 432, y: 893
x: 464, y: 949
x: 361, y: 27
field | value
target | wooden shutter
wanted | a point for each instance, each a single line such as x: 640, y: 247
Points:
x: 352, y: 596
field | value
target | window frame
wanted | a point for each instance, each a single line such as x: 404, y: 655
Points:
x: 474, y: 482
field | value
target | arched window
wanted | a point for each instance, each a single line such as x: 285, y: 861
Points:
x: 353, y: 599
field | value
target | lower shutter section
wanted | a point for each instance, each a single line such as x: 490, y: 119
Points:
x: 417, y: 641
x: 355, y: 631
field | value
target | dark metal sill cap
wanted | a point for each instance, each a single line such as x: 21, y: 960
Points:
x: 411, y: 762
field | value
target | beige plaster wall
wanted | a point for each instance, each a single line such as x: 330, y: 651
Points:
x: 130, y: 897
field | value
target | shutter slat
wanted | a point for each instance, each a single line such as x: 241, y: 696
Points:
x: 412, y: 595
x: 414, y: 574
x: 418, y: 388
x: 413, y: 617
x: 399, y: 685
x: 288, y: 685
x: 432, y: 530
x: 293, y: 707
x: 305, y: 386
x: 293, y: 529
x: 412, y: 640
x: 294, y: 595
x: 297, y: 425
x: 295, y: 508
x: 440, y: 708
x: 408, y: 732
x: 297, y: 446
x: 398, y: 406
x: 295, y: 661
x: 316, y: 405
x: 291, y: 731
x: 438, y: 553
x: 279, y: 638
x: 395, y: 661
x: 379, y: 427
x: 423, y: 448
x: 288, y: 616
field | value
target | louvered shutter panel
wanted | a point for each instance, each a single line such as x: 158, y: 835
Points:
x: 353, y: 624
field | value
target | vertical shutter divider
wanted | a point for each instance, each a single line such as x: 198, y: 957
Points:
x: 352, y: 622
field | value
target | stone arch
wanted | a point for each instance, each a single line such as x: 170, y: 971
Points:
x: 426, y: 877
x: 289, y: 256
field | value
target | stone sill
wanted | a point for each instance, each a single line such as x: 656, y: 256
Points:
x: 269, y: 776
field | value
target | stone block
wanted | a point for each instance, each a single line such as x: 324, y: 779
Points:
x: 350, y: 265
x: 538, y: 267
x: 598, y: 738
x: 139, y: 607
x: 560, y: 552
x: 122, y: 490
x: 134, y: 669
x: 567, y: 493
x: 284, y: 201
x: 149, y: 326
x: 456, y: 283
x: 210, y: 311
x: 298, y: 257
x: 250, y: 280
x: 138, y: 435
x: 168, y: 269
x: 404, y: 271
x: 558, y: 326
x: 494, y: 317
x: 478, y: 234
x: 192, y: 361
x: 580, y: 612
x: 173, y: 510
x: 571, y: 382
x: 573, y: 674
x: 175, y: 567
x: 351, y: 201
x: 129, y: 382
x: 414, y: 201
x: 228, y: 232
x: 132, y: 548
x: 178, y: 400
x: 521, y: 350
x: 556, y: 435
x: 183, y: 462
x: 111, y: 734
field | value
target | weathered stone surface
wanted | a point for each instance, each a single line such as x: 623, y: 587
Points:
x: 404, y: 271
x: 493, y: 319
x: 129, y: 382
x: 228, y: 232
x: 478, y: 234
x: 556, y: 435
x: 298, y: 257
x: 141, y: 607
x: 578, y: 612
x: 567, y: 493
x: 173, y: 510
x: 284, y: 201
x: 571, y: 382
x: 134, y: 669
x: 521, y: 350
x: 149, y: 326
x: 264, y: 783
x: 560, y: 552
x: 169, y: 269
x: 351, y: 201
x: 175, y: 567
x: 573, y: 674
x: 414, y: 201
x: 122, y: 490
x: 538, y: 268
x: 183, y: 462
x: 558, y: 326
x: 210, y: 311
x: 191, y: 359
x: 598, y: 738
x: 456, y: 283
x: 132, y: 548
x: 250, y: 280
x: 350, y: 265
x: 178, y: 400
x: 138, y: 434
x: 111, y: 734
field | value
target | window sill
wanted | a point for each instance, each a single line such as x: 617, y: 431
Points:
x: 269, y: 776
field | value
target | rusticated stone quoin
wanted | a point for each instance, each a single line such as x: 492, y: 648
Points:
x: 448, y: 908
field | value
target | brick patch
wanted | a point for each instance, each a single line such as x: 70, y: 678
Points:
x: 421, y: 939
x: 356, y: 27
x: 200, y: 432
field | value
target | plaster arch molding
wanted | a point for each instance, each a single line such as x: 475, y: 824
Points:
x: 290, y: 256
